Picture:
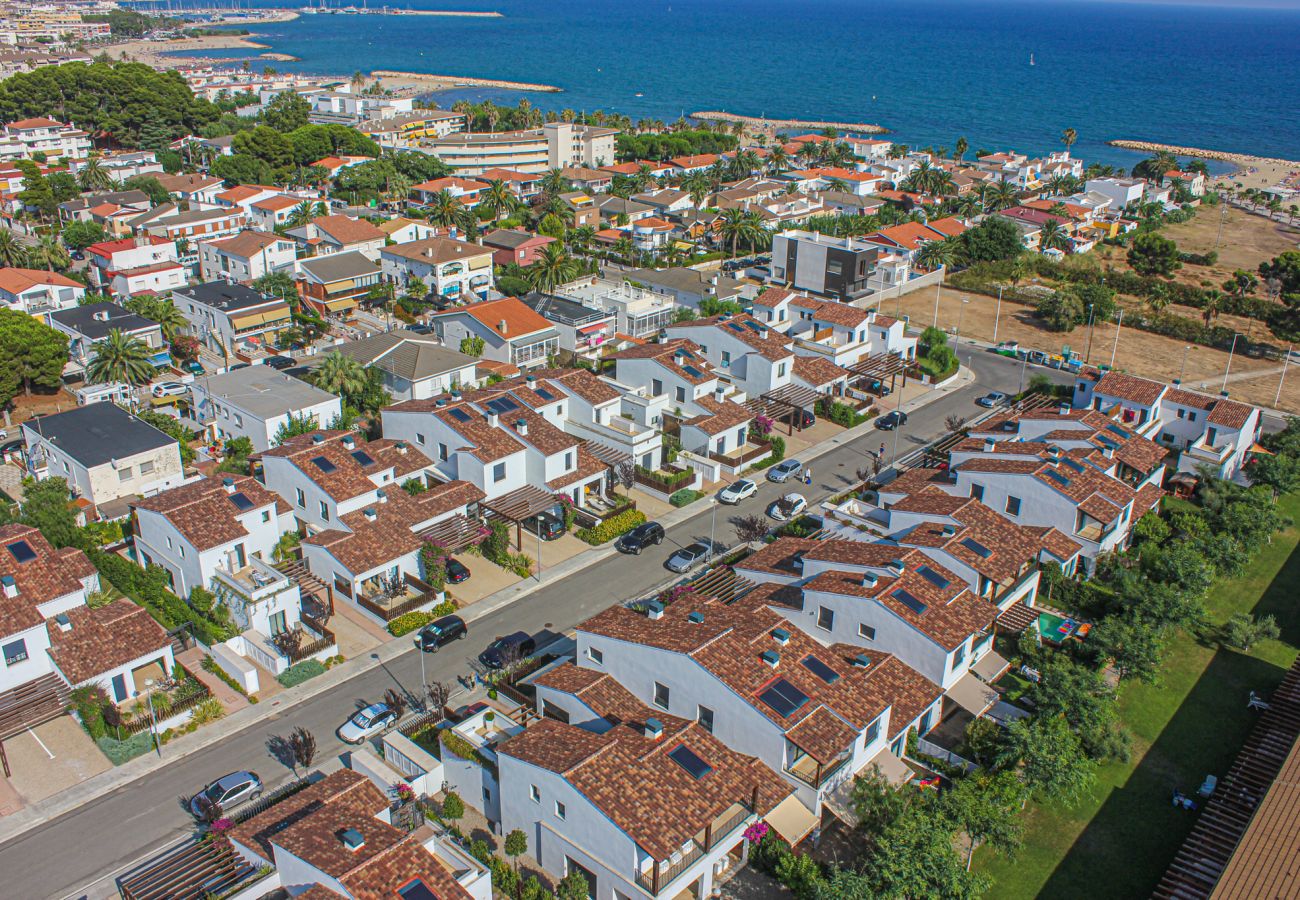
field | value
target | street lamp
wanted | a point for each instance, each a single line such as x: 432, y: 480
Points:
x: 1115, y: 349
x: 1228, y: 367
x: 713, y: 524
x: 997, y: 316
x: 1183, y: 368
x: 1088, y: 355
x: 1285, y: 362
x: 961, y: 317
x: 937, y: 288
x: 153, y: 721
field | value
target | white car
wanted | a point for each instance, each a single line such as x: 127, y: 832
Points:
x: 366, y: 723
x: 787, y: 507
x: 168, y: 389
x: 737, y: 491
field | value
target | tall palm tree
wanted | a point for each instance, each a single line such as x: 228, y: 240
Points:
x: 938, y: 254
x: 960, y: 149
x: 836, y: 184
x: 554, y: 182
x: 1068, y: 137
x: 999, y: 196
x: 699, y: 186
x: 1213, y: 306
x: 942, y: 182
x: 778, y: 160
x: 1053, y: 237
x: 303, y: 213
x: 12, y: 253
x: 737, y: 225
x: 340, y: 375
x: 444, y: 208
x: 120, y: 357
x: 93, y: 176
x: 50, y: 253
x: 170, y: 319
x: 499, y: 199
x: 552, y: 268
x: 580, y: 238
x: 644, y: 177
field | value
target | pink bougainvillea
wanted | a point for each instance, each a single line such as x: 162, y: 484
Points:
x: 756, y: 832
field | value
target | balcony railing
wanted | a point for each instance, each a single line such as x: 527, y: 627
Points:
x: 664, y: 872
x: 817, y: 774
x: 752, y: 451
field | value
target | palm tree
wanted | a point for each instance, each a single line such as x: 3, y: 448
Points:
x: 942, y: 182
x: 444, y: 208
x: 778, y: 160
x: 93, y: 176
x: 1158, y: 299
x: 552, y: 268
x: 836, y: 184
x: 303, y: 213
x: 644, y: 177
x: 580, y: 238
x: 12, y: 253
x: 1021, y: 268
x: 340, y: 375
x: 554, y: 182
x: 960, y: 149
x: 50, y: 253
x: 120, y: 357
x: 499, y: 199
x: 938, y: 254
x: 699, y: 186
x: 1068, y: 137
x: 1053, y: 237
x: 170, y: 319
x: 999, y: 196
x: 357, y: 80
x: 1213, y: 305
x: 622, y: 247
x: 739, y: 225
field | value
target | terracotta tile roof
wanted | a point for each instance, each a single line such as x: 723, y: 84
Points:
x: 817, y: 371
x: 41, y: 122
x: 1123, y: 386
x: 772, y: 297
x: 468, y: 185
x: 581, y: 383
x: 917, y: 479
x: 437, y: 250
x: 347, y: 230
x: 384, y: 875
x: 781, y: 557
x: 675, y: 354
x: 855, y: 553
x: 51, y: 575
x: 500, y: 174
x: 631, y: 778
x: 16, y: 280
x: 696, y: 161
x: 343, y: 785
x: 588, y: 466
x: 1147, y: 497
x: 1057, y: 544
x: 831, y: 311
x: 241, y: 192
x: 247, y: 243
x: 277, y: 203
x: 485, y: 442
x: 509, y: 317
x: 103, y: 639
x: 204, y: 512
x: 1230, y: 414
x: 349, y: 478
x: 745, y: 328
x: 719, y: 416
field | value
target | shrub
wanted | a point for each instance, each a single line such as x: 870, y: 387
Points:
x: 842, y: 414
x: 119, y: 752
x: 778, y: 448
x: 303, y: 671
x: 413, y: 621
x: 611, y: 528
x: 453, y: 807
x: 685, y: 497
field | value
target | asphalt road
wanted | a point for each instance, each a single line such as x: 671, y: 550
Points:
x: 81, y: 852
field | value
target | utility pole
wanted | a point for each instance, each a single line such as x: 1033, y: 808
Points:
x: 1285, y: 362
x: 997, y: 316
x: 1228, y: 367
x: 1115, y: 349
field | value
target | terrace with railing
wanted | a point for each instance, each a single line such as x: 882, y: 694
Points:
x: 389, y: 598
x: 660, y: 875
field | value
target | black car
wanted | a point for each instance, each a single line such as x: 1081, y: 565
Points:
x: 279, y: 363
x: 420, y: 329
x: 890, y: 421
x: 548, y: 525
x: 442, y: 631
x: 644, y: 535
x: 456, y: 571
x: 508, y: 649
x: 806, y: 419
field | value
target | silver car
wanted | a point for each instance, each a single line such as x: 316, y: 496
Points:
x: 737, y: 491
x: 688, y: 557
x: 228, y: 791
x: 366, y: 723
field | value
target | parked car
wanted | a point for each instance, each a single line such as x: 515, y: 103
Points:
x: 11, y: 448
x: 737, y: 491
x: 688, y: 557
x: 647, y: 534
x: 366, y: 723
x: 456, y: 571
x: 783, y: 509
x: 879, y: 388
x: 511, y: 648
x: 806, y: 418
x: 992, y: 399
x: 463, y: 712
x: 194, y: 367
x: 784, y: 470
x: 548, y: 525
x: 168, y: 389
x: 441, y: 631
x: 228, y: 791
x: 890, y: 421
x: 279, y: 363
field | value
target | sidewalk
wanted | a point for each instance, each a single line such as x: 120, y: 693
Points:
x: 107, y: 782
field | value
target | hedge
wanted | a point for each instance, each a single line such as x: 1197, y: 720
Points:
x: 303, y: 671
x: 685, y: 497
x: 148, y: 587
x: 412, y: 621
x: 611, y: 528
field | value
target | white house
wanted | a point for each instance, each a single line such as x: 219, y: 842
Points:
x: 257, y: 401
x: 452, y: 270
x: 88, y: 324
x: 229, y: 317
x: 511, y: 332
x: 751, y: 355
x: 246, y: 257
x: 414, y: 366
x: 38, y: 292
x: 133, y: 266
x: 325, y: 235
x: 26, y: 137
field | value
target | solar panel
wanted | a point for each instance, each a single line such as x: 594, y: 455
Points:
x: 241, y: 501
x: 1115, y: 429
x: 416, y: 890
x: 1057, y: 477
x: 909, y: 601
x: 754, y: 326
x: 1107, y: 441
x: 977, y: 548
x: 459, y: 415
x: 783, y: 697
x: 544, y: 394
x: 686, y: 758
x: 693, y: 372
x: 933, y: 577
x: 363, y: 458
x: 501, y: 405
x: 1073, y: 465
x: 820, y: 669
x: 735, y: 326
x: 323, y: 464
x: 21, y: 551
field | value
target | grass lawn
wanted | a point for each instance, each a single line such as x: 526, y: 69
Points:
x: 1121, y: 838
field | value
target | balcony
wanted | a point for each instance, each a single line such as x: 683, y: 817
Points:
x: 744, y: 455
x: 722, y: 830
x: 813, y: 773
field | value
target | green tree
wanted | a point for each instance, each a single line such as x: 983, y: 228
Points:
x: 993, y: 239
x: 940, y: 254
x: 552, y: 268
x: 915, y: 857
x: 1285, y: 268
x: 289, y: 110
x: 120, y: 357
x: 960, y: 148
x: 47, y: 506
x: 1241, y: 283
x: 738, y: 226
x: 12, y: 253
x: 278, y: 284
x: 150, y: 185
x: 36, y: 193
x: 93, y: 176
x: 453, y: 808
x: 986, y: 807
x: 1061, y: 310
x: 294, y: 426
x: 1245, y: 631
x: 499, y: 199
x: 48, y: 252
x: 80, y: 235
x: 1048, y: 759
x: 1052, y: 236
x: 472, y: 346
x: 516, y: 845
x: 340, y: 374
x: 444, y: 209
x: 1278, y: 472
x: 31, y: 352
x: 573, y: 887
x: 1152, y: 254
x: 1068, y: 137
x: 1134, y: 647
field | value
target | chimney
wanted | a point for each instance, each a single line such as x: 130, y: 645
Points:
x: 493, y: 420
x: 442, y: 401
x: 503, y: 327
x: 452, y: 232
x: 897, y: 566
x: 990, y: 444
x: 780, y: 635
x: 64, y: 623
x: 1063, y: 410
x: 521, y: 426
x: 381, y: 495
x: 654, y: 610
x: 719, y: 393
x: 771, y: 657
x: 349, y: 441
x: 10, y: 586
x: 228, y: 484
x: 352, y: 839
x: 400, y: 447
x: 318, y: 438
x: 100, y: 315
x: 654, y: 729
x: 862, y: 661
x: 531, y: 380
x: 949, y: 530
x: 869, y: 579
x: 370, y: 514
x: 696, y: 618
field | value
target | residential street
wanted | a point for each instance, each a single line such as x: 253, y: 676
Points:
x: 80, y: 853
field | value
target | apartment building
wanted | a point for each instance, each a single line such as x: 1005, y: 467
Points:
x: 583, y: 331
x: 554, y: 145
x: 132, y: 266
x: 57, y: 140
x: 38, y: 292
x: 336, y: 284
x: 256, y: 402
x: 638, y: 312
x: 754, y: 358
x: 325, y: 235
x: 453, y: 270
x: 246, y: 257
x: 822, y: 264
x: 227, y: 317
x: 837, y: 332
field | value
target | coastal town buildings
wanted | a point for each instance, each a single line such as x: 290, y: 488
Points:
x: 24, y: 138
x: 257, y: 402
x: 554, y: 145
x: 451, y: 269
x: 510, y: 331
x: 414, y: 366
x: 227, y: 317
x: 88, y: 324
x: 38, y: 292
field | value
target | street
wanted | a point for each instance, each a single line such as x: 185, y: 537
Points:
x: 81, y: 852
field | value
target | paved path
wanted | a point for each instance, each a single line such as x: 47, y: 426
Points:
x: 231, y: 699
x: 111, y: 831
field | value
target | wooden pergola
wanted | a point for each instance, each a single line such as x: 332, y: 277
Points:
x: 518, y: 505
x: 882, y: 366
x: 192, y: 870
x: 28, y: 705
x: 787, y: 402
x: 454, y: 534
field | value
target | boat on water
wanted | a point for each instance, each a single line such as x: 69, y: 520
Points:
x: 1031, y: 59
x: 639, y: 94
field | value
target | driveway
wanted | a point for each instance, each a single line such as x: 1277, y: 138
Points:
x: 50, y: 758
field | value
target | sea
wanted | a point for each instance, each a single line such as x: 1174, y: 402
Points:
x: 1005, y: 74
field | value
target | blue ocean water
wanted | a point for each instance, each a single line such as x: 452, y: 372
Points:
x: 1224, y: 78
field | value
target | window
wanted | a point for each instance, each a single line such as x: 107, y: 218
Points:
x: 681, y: 395
x: 568, y: 460
x: 124, y: 473
x: 689, y: 760
x: 498, y: 472
x: 958, y: 656
x: 419, y: 438
x: 977, y: 492
x: 873, y: 732
x: 656, y: 387
x: 266, y: 515
x: 780, y: 370
x: 239, y: 421
x: 15, y: 652
x: 704, y: 716
x: 1182, y: 414
x: 442, y: 452
x: 595, y: 655
x: 1013, y: 506
x: 825, y: 618
x: 535, y: 793
x: 559, y: 810
x: 146, y: 467
x: 324, y: 511
x: 661, y: 696
x: 1191, y: 417
x: 300, y: 497
x: 866, y: 631
x: 726, y: 359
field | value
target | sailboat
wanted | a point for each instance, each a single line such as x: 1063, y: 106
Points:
x: 1031, y: 59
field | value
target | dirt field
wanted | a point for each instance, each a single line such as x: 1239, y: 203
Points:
x: 25, y: 407
x: 1137, y: 351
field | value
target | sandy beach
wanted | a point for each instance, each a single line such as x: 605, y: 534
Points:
x: 756, y: 126
x: 157, y: 53
x: 1252, y: 171
x: 397, y: 81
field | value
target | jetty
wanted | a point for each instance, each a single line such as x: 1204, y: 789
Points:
x: 1243, y: 159
x: 765, y: 124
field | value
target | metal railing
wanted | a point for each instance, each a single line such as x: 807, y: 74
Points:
x: 660, y: 877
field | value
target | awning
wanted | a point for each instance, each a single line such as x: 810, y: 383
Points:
x: 972, y: 695
x: 792, y: 820
x: 892, y: 767
x: 990, y: 666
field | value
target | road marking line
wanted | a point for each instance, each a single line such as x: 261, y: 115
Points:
x: 42, y: 743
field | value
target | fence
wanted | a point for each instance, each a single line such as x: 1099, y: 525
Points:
x: 388, y: 615
x: 311, y: 648
x: 196, y: 693
x: 261, y: 805
x: 944, y: 754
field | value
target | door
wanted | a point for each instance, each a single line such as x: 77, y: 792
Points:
x: 278, y: 624
x: 925, y: 721
x: 119, y: 688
